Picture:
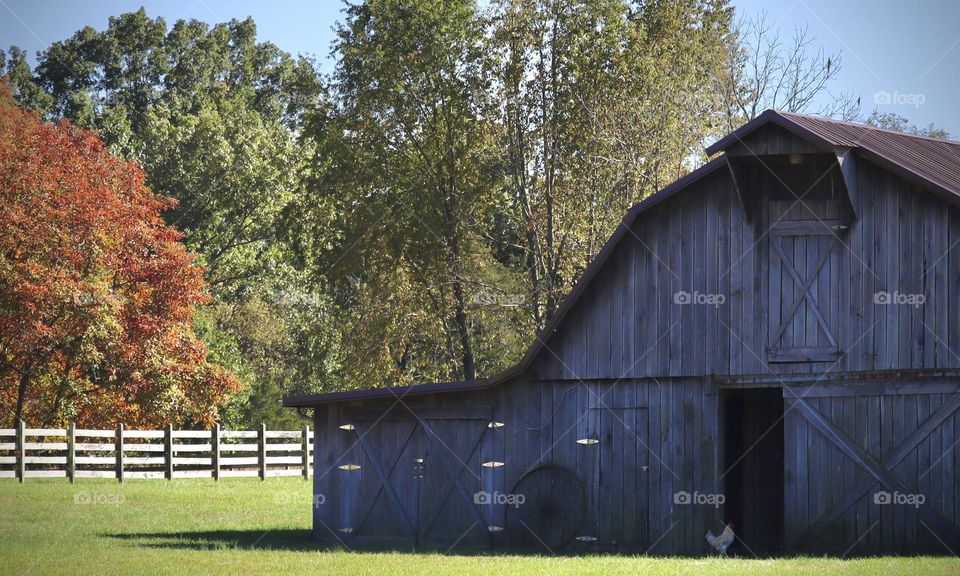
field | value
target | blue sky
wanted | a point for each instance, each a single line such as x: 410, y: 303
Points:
x: 899, y: 56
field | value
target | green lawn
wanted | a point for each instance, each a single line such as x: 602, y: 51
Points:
x: 243, y: 526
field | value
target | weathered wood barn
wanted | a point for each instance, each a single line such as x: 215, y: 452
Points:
x: 773, y: 340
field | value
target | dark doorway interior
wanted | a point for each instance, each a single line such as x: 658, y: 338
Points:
x: 753, y: 458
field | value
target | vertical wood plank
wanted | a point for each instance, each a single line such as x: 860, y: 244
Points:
x: 305, y: 446
x: 119, y: 451
x: 262, y: 450
x: 21, y: 451
x: 72, y: 452
x: 168, y: 451
x: 215, y: 449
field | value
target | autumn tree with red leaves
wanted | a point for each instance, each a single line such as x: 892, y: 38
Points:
x: 97, y: 294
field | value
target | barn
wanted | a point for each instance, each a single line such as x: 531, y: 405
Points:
x: 772, y: 340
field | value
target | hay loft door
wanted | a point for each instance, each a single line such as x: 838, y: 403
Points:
x: 804, y: 301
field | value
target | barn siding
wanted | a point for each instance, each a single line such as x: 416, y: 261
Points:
x: 830, y: 498
x: 647, y: 378
x: 646, y: 430
x: 700, y: 241
x: 771, y: 140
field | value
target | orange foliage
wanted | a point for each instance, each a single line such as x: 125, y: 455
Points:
x: 97, y: 293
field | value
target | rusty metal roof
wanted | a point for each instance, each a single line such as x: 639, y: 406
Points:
x: 929, y: 162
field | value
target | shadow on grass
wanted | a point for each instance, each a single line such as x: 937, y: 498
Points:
x: 277, y: 540
x: 295, y: 540
x: 300, y: 541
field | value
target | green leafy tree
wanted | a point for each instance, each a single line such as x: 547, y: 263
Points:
x: 403, y: 176
x: 898, y: 123
x: 213, y: 116
x: 602, y: 103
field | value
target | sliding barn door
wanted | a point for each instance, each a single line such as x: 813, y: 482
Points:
x: 414, y: 479
x: 872, y: 468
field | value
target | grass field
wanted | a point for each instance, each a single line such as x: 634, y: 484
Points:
x: 243, y: 526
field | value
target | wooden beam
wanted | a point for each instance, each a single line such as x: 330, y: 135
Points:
x: 848, y: 169
x: 119, y: 450
x: 21, y: 451
x: 168, y: 452
x: 262, y: 450
x: 305, y: 446
x: 72, y: 452
x: 215, y: 449
x: 874, y: 389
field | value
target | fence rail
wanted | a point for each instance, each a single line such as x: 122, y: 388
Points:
x: 161, y: 454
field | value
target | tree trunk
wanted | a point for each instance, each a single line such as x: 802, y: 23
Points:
x: 22, y: 394
x: 460, y: 316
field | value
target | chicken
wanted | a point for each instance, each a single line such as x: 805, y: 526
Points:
x: 723, y: 541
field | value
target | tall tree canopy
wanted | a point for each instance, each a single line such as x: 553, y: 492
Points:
x: 97, y: 292
x: 471, y: 163
x: 213, y: 117
x: 419, y: 214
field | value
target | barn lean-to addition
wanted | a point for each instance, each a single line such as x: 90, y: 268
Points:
x: 773, y: 339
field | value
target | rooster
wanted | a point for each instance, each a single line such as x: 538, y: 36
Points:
x: 723, y: 541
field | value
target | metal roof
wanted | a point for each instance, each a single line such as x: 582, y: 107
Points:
x: 931, y: 163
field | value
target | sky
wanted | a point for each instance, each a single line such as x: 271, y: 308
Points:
x: 898, y: 56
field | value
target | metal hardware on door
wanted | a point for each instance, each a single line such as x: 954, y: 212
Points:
x: 418, y: 468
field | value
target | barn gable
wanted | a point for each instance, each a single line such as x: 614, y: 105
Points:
x: 783, y: 264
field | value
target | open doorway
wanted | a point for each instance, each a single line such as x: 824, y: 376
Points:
x: 753, y: 464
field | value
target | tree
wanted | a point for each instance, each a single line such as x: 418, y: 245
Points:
x: 213, y: 116
x: 97, y: 292
x: 602, y: 103
x: 762, y: 72
x: 898, y: 123
x: 401, y: 168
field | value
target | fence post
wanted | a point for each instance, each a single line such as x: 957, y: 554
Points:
x: 72, y: 452
x: 306, y: 451
x: 262, y: 452
x: 215, y: 444
x: 21, y: 451
x: 120, y: 452
x: 168, y: 452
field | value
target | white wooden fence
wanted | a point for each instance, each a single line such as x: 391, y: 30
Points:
x: 78, y: 453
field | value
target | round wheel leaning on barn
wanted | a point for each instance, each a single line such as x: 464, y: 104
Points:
x: 552, y: 509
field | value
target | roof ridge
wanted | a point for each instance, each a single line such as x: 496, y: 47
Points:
x: 816, y: 118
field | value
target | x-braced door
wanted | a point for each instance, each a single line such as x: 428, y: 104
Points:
x: 803, y: 290
x: 417, y: 478
x: 870, y: 468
